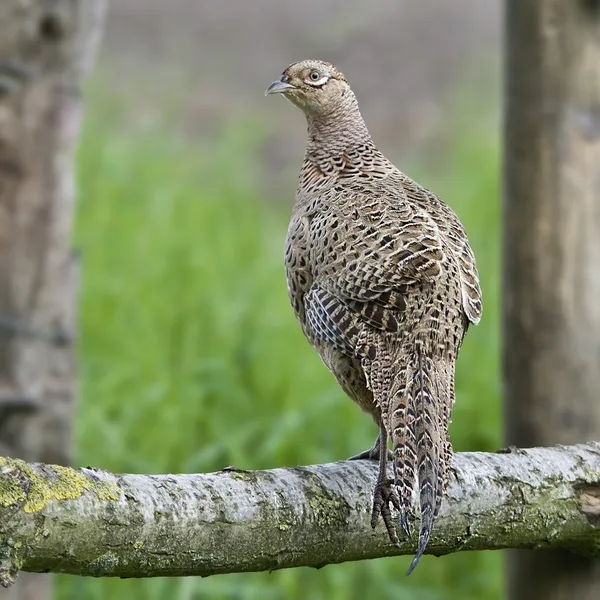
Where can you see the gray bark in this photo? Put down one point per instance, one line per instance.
(46, 48)
(552, 253)
(91, 522)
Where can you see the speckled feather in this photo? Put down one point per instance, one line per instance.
(383, 281)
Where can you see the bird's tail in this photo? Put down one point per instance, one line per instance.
(401, 425)
(418, 425)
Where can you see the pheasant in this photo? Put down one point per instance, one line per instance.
(384, 284)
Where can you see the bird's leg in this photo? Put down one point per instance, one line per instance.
(373, 453)
(385, 493)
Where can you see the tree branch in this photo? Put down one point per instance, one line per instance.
(91, 522)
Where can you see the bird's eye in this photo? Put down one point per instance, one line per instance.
(316, 79)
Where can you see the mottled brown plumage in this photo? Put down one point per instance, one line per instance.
(383, 281)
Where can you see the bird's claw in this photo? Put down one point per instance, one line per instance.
(366, 455)
(385, 494)
(372, 453)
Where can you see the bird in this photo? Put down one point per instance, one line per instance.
(383, 281)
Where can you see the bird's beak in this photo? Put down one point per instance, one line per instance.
(279, 86)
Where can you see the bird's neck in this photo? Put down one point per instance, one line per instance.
(341, 130)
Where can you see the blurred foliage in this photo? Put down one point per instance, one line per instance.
(190, 357)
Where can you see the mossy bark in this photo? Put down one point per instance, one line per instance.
(91, 522)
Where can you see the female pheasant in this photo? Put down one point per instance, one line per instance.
(383, 281)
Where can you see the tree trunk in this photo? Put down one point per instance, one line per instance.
(552, 253)
(46, 47)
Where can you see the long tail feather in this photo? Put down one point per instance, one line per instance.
(429, 447)
(404, 444)
(416, 414)
(445, 394)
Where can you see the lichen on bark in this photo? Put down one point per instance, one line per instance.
(20, 484)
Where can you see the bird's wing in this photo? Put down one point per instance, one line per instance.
(453, 232)
(364, 265)
(469, 277)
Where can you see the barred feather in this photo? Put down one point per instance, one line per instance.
(404, 446)
(428, 447)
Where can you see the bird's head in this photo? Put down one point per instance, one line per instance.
(315, 86)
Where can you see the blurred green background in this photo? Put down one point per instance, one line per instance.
(190, 358)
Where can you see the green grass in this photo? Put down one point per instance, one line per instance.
(191, 359)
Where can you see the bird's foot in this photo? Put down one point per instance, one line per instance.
(372, 453)
(385, 494)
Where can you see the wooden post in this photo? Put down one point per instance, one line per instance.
(551, 319)
(46, 48)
